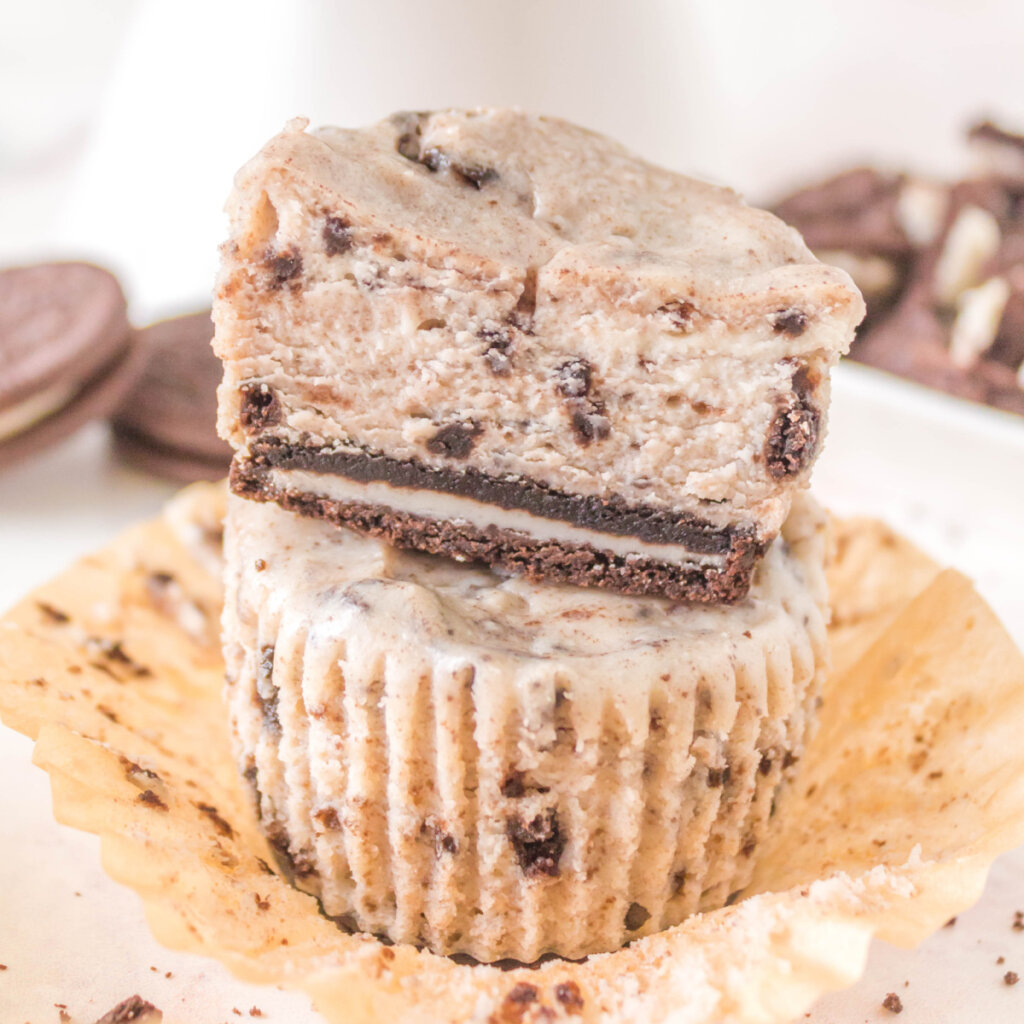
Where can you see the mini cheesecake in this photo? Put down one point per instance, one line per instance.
(478, 764)
(505, 339)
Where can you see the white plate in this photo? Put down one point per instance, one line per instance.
(947, 474)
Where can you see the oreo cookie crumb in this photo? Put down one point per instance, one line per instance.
(718, 776)
(513, 785)
(259, 407)
(636, 917)
(454, 440)
(574, 378)
(499, 341)
(444, 842)
(679, 313)
(134, 1008)
(791, 322)
(266, 689)
(150, 799)
(475, 174)
(216, 819)
(538, 844)
(892, 1003)
(590, 426)
(568, 994)
(283, 267)
(337, 235)
(1011, 978)
(793, 436)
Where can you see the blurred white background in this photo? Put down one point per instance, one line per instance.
(122, 123)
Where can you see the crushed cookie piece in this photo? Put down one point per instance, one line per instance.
(636, 917)
(454, 440)
(574, 378)
(150, 799)
(791, 322)
(218, 821)
(337, 235)
(568, 994)
(1011, 978)
(679, 313)
(283, 266)
(892, 1003)
(538, 844)
(590, 426)
(133, 1009)
(259, 407)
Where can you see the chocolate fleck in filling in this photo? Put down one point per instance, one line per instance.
(537, 843)
(589, 425)
(636, 917)
(680, 314)
(266, 690)
(791, 322)
(283, 266)
(542, 561)
(606, 515)
(569, 995)
(259, 407)
(499, 341)
(793, 436)
(454, 440)
(574, 378)
(337, 236)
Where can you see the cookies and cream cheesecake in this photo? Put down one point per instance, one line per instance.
(476, 763)
(505, 339)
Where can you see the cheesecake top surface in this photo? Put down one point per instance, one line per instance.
(512, 190)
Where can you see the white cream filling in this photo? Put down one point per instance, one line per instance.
(455, 508)
(18, 418)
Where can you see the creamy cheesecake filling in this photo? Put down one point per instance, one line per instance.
(454, 508)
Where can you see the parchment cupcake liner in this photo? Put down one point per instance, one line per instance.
(115, 670)
(478, 765)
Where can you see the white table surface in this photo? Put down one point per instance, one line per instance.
(946, 474)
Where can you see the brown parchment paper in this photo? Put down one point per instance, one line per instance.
(914, 783)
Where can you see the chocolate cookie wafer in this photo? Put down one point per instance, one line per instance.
(506, 339)
(483, 765)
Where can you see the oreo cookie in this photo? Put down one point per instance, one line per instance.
(68, 351)
(166, 425)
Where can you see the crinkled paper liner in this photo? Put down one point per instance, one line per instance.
(914, 783)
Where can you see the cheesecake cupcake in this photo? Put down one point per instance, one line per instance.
(458, 758)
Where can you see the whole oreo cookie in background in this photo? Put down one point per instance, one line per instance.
(68, 353)
(166, 425)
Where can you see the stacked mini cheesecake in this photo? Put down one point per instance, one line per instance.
(525, 607)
